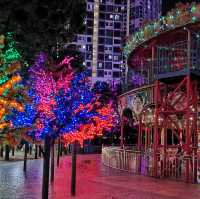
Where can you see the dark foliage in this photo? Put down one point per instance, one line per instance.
(41, 24)
(167, 5)
(103, 90)
(71, 51)
(127, 112)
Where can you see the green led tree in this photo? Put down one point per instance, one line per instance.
(11, 94)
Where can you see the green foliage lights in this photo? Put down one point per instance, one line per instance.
(11, 54)
(185, 14)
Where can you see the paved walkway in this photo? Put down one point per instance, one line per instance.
(19, 155)
(94, 181)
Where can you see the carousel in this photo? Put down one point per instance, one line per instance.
(165, 54)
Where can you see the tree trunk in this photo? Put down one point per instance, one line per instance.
(25, 157)
(13, 151)
(52, 161)
(65, 150)
(73, 177)
(7, 151)
(36, 151)
(1, 152)
(61, 149)
(58, 154)
(30, 149)
(40, 151)
(45, 179)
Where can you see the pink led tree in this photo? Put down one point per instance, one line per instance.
(65, 106)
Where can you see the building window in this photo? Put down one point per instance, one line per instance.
(89, 47)
(89, 31)
(90, 7)
(117, 41)
(116, 58)
(108, 65)
(117, 33)
(101, 56)
(109, 24)
(111, 16)
(109, 8)
(89, 39)
(88, 64)
(116, 50)
(88, 56)
(109, 41)
(108, 57)
(101, 40)
(90, 23)
(102, 24)
(100, 65)
(109, 33)
(116, 74)
(102, 16)
(116, 17)
(116, 66)
(108, 49)
(100, 73)
(90, 72)
(117, 25)
(101, 32)
(118, 1)
(101, 48)
(103, 1)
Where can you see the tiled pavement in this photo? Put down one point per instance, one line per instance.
(93, 182)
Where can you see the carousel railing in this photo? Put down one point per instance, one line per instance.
(178, 57)
(170, 166)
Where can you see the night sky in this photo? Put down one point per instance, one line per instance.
(169, 4)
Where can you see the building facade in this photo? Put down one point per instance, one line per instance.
(108, 24)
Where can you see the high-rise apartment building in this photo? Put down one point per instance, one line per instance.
(108, 23)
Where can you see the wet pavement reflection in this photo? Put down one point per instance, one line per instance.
(94, 181)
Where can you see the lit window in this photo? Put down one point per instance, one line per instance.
(100, 64)
(116, 17)
(111, 16)
(110, 56)
(115, 58)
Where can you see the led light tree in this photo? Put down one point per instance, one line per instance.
(45, 85)
(80, 115)
(11, 90)
(64, 105)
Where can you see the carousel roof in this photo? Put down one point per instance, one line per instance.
(167, 30)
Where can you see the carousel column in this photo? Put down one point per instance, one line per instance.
(139, 162)
(139, 135)
(188, 87)
(122, 132)
(146, 138)
(188, 138)
(165, 151)
(155, 140)
(195, 133)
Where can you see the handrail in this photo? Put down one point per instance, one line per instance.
(142, 163)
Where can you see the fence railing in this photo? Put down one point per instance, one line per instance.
(168, 166)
